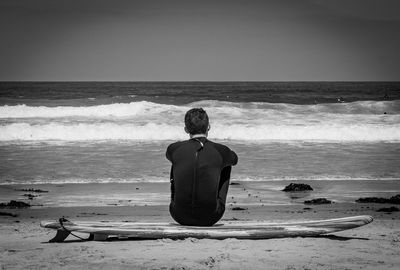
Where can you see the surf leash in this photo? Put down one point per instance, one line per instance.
(62, 220)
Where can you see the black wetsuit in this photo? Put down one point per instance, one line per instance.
(200, 176)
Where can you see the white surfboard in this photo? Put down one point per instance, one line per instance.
(236, 229)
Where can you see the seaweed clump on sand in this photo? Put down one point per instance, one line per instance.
(297, 187)
(238, 208)
(388, 209)
(393, 200)
(32, 190)
(8, 214)
(318, 201)
(30, 196)
(14, 204)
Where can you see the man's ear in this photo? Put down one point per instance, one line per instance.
(209, 127)
(186, 130)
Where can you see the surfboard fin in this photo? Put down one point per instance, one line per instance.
(60, 236)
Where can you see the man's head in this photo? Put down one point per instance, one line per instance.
(196, 121)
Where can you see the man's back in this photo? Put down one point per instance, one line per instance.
(200, 178)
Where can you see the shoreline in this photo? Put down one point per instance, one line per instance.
(245, 193)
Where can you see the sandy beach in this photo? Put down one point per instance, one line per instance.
(110, 109)
(24, 244)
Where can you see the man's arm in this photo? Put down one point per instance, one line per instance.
(168, 153)
(228, 156)
(171, 149)
(233, 159)
(224, 183)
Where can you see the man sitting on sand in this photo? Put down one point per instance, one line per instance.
(200, 174)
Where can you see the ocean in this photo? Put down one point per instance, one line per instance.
(62, 133)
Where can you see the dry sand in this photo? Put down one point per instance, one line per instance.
(23, 244)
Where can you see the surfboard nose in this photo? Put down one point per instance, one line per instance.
(44, 223)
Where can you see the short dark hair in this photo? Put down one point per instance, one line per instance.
(196, 121)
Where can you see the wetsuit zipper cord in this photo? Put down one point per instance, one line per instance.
(194, 174)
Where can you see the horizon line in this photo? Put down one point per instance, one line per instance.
(179, 81)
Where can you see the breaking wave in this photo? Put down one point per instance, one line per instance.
(147, 121)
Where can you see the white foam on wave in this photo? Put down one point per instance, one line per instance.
(160, 132)
(141, 108)
(358, 107)
(82, 132)
(147, 121)
(166, 180)
(50, 181)
(109, 110)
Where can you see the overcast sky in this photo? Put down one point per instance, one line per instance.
(278, 40)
